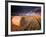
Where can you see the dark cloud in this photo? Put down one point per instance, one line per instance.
(25, 10)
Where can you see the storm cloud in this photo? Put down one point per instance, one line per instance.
(25, 10)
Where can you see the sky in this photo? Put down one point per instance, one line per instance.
(25, 10)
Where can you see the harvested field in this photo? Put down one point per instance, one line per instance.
(25, 23)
